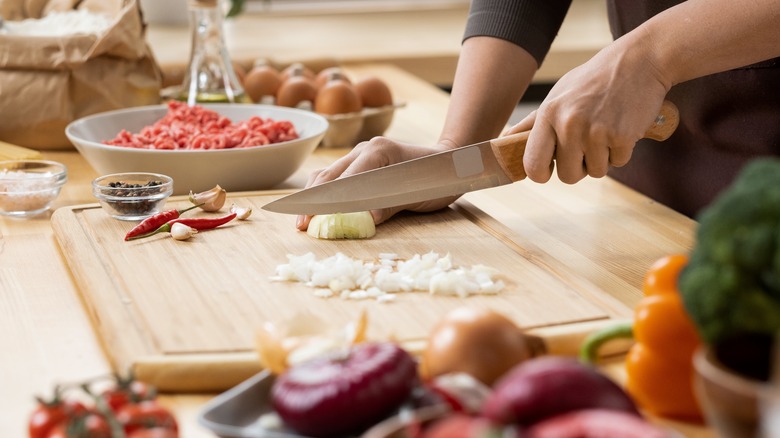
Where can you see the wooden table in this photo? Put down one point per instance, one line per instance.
(604, 230)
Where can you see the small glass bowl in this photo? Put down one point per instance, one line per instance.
(29, 187)
(132, 196)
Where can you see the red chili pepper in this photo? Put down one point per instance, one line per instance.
(155, 221)
(199, 223)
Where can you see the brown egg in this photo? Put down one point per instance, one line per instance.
(261, 81)
(373, 92)
(296, 90)
(240, 72)
(297, 69)
(330, 73)
(480, 342)
(337, 96)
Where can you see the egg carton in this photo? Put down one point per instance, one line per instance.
(344, 130)
(347, 130)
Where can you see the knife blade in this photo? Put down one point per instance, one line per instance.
(454, 172)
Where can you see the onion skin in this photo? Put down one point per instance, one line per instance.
(551, 385)
(342, 394)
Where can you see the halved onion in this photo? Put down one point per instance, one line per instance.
(359, 225)
(304, 336)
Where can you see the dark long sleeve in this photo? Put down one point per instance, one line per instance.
(531, 25)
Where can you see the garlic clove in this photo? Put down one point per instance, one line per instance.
(180, 231)
(242, 213)
(210, 200)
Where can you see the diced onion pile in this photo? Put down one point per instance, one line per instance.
(382, 279)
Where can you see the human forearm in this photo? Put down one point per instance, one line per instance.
(491, 77)
(701, 37)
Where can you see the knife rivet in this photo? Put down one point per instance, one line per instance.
(660, 120)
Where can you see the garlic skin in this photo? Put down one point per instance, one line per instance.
(210, 200)
(242, 213)
(180, 231)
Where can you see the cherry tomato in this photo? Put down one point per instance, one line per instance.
(127, 391)
(85, 425)
(155, 432)
(146, 415)
(48, 415)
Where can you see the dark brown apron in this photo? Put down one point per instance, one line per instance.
(726, 119)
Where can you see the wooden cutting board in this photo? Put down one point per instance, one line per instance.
(183, 314)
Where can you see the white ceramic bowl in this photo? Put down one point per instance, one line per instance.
(240, 169)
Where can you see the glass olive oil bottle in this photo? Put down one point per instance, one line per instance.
(210, 77)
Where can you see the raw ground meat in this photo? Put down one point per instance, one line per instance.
(187, 127)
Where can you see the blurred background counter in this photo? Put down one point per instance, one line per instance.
(424, 41)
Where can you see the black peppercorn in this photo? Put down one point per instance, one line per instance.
(134, 206)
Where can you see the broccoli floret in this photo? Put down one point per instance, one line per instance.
(731, 286)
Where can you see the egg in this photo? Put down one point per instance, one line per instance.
(373, 92)
(330, 73)
(296, 90)
(337, 96)
(240, 72)
(297, 69)
(480, 342)
(262, 81)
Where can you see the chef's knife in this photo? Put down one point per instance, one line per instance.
(450, 173)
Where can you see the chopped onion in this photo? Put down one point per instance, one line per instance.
(358, 225)
(348, 278)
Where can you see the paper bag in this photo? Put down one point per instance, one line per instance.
(47, 82)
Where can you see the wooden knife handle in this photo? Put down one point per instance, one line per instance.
(509, 149)
(665, 123)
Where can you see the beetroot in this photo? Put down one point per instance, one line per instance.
(551, 385)
(344, 393)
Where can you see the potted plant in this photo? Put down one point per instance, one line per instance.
(731, 290)
(236, 8)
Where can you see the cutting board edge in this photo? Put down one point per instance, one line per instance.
(196, 373)
(65, 223)
(215, 372)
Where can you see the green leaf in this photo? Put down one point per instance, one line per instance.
(236, 8)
